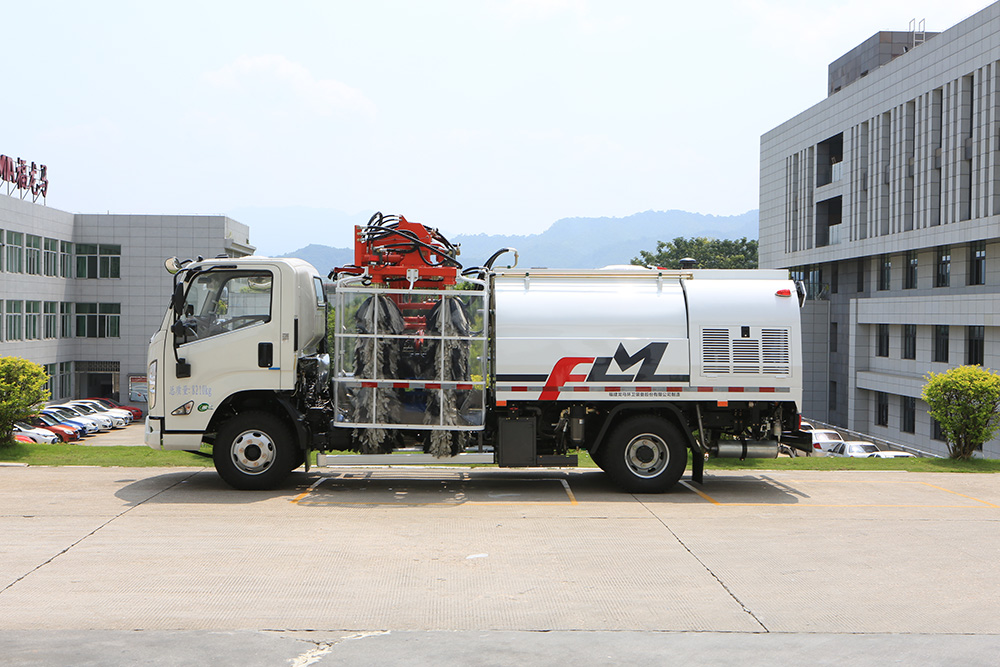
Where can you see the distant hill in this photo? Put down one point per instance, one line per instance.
(578, 243)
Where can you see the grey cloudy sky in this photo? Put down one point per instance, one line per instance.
(473, 116)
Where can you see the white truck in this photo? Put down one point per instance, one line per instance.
(430, 363)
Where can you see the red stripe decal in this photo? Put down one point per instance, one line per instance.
(400, 385)
(369, 385)
(580, 388)
(766, 390)
(706, 389)
(612, 389)
(737, 390)
(432, 385)
(464, 386)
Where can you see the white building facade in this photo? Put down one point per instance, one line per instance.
(82, 294)
(885, 199)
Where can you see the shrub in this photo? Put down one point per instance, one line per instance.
(22, 391)
(964, 401)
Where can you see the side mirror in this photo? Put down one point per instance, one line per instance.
(177, 300)
(172, 265)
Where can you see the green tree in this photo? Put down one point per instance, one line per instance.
(22, 391)
(964, 401)
(710, 253)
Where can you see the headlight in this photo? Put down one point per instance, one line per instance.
(151, 382)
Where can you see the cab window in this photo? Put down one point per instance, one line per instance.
(218, 302)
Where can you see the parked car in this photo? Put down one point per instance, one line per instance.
(891, 454)
(20, 437)
(858, 449)
(823, 439)
(65, 432)
(68, 416)
(107, 402)
(90, 407)
(38, 435)
(104, 422)
(805, 426)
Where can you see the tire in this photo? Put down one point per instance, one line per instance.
(645, 454)
(253, 451)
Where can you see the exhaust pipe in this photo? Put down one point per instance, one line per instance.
(750, 449)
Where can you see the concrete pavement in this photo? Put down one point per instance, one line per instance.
(539, 561)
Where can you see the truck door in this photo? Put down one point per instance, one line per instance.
(227, 340)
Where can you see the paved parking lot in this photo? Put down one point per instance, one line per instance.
(341, 553)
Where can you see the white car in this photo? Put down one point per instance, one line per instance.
(891, 454)
(823, 439)
(858, 449)
(121, 418)
(39, 435)
(104, 422)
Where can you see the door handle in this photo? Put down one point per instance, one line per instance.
(265, 355)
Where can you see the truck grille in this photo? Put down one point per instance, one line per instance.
(723, 353)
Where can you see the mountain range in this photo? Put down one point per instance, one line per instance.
(579, 243)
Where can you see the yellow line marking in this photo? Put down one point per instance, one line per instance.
(569, 492)
(959, 494)
(703, 495)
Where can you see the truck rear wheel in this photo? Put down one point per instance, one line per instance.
(253, 451)
(645, 454)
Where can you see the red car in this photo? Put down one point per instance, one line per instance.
(108, 403)
(66, 433)
(22, 438)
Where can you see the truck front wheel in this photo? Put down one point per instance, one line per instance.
(645, 454)
(253, 451)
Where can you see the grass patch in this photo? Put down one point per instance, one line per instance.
(78, 455)
(143, 457)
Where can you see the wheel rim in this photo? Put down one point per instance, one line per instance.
(647, 455)
(253, 452)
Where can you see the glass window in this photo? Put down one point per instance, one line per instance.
(941, 332)
(66, 312)
(222, 301)
(98, 320)
(14, 316)
(109, 261)
(32, 320)
(937, 433)
(86, 260)
(909, 341)
(65, 259)
(907, 418)
(882, 340)
(50, 384)
(51, 319)
(910, 270)
(3, 252)
(33, 254)
(977, 263)
(881, 408)
(65, 379)
(833, 396)
(833, 336)
(942, 275)
(885, 272)
(15, 252)
(975, 353)
(50, 257)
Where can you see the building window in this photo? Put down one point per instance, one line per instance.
(15, 252)
(98, 260)
(65, 379)
(833, 336)
(941, 332)
(907, 418)
(942, 275)
(3, 252)
(833, 396)
(910, 270)
(882, 340)
(881, 408)
(2, 338)
(937, 433)
(65, 259)
(975, 352)
(51, 320)
(909, 341)
(98, 320)
(33, 254)
(50, 256)
(884, 272)
(862, 266)
(32, 320)
(66, 320)
(14, 317)
(50, 384)
(977, 263)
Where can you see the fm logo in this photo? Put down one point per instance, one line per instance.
(562, 371)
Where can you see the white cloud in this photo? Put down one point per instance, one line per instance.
(275, 77)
